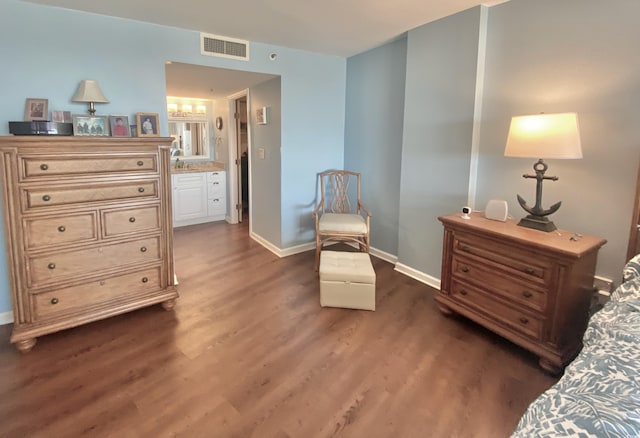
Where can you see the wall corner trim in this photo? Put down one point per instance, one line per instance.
(418, 275)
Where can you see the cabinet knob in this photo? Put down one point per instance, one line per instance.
(463, 292)
(51, 266)
(44, 167)
(465, 269)
(465, 248)
(526, 294)
(132, 219)
(54, 301)
(62, 229)
(145, 279)
(216, 200)
(143, 249)
(216, 183)
(141, 189)
(529, 270)
(524, 320)
(46, 198)
(140, 163)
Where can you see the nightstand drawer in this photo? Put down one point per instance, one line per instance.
(130, 220)
(527, 293)
(523, 263)
(81, 298)
(505, 315)
(39, 166)
(59, 230)
(61, 265)
(39, 197)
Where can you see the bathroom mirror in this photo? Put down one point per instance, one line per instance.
(191, 139)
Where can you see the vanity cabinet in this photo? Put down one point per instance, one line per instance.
(88, 229)
(531, 287)
(199, 197)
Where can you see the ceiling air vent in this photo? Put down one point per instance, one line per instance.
(225, 47)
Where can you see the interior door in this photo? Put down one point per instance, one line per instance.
(634, 236)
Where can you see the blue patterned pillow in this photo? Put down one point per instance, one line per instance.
(631, 269)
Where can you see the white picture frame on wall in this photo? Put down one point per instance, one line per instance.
(261, 116)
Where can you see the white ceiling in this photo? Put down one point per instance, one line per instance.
(334, 27)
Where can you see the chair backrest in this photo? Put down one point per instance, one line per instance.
(335, 187)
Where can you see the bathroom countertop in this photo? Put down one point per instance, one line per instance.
(197, 166)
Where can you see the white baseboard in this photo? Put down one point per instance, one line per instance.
(387, 257)
(283, 252)
(418, 275)
(6, 318)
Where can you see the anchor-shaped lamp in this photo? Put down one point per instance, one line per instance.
(548, 136)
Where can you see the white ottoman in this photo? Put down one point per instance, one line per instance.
(347, 279)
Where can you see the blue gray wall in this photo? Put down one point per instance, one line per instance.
(266, 173)
(438, 126)
(373, 134)
(47, 51)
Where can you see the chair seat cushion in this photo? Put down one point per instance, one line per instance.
(342, 223)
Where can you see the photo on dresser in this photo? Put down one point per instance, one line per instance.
(148, 124)
(36, 109)
(91, 125)
(119, 126)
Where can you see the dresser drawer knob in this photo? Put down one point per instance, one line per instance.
(465, 248)
(463, 292)
(529, 270)
(145, 279)
(51, 266)
(140, 163)
(102, 282)
(465, 269)
(132, 219)
(46, 198)
(44, 167)
(54, 301)
(62, 229)
(526, 294)
(141, 189)
(143, 249)
(524, 320)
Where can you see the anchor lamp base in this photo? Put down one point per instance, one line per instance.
(537, 223)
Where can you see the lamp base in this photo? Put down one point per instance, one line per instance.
(540, 223)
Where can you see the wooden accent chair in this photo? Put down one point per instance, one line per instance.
(336, 220)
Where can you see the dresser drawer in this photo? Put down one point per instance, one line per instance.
(58, 230)
(522, 263)
(63, 265)
(85, 297)
(38, 197)
(38, 166)
(521, 322)
(523, 292)
(130, 220)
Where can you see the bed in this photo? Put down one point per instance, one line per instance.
(599, 393)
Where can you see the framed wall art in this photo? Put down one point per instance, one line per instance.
(91, 125)
(36, 109)
(147, 124)
(261, 116)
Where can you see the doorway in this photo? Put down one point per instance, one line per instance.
(242, 150)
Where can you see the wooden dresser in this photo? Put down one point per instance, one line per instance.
(531, 287)
(88, 229)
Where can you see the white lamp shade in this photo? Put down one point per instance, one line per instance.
(89, 91)
(544, 136)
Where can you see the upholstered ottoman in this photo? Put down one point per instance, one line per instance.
(347, 279)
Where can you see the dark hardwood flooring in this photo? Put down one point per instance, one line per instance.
(249, 352)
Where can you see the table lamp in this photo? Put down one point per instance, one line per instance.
(89, 91)
(543, 136)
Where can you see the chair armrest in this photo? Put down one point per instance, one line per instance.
(363, 208)
(316, 210)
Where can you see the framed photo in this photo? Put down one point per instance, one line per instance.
(91, 125)
(61, 116)
(36, 109)
(147, 124)
(261, 116)
(119, 126)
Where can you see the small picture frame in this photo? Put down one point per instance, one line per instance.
(261, 116)
(119, 126)
(96, 126)
(61, 116)
(147, 124)
(36, 109)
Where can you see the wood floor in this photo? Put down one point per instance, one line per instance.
(249, 352)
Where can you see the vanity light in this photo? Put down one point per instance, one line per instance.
(201, 109)
(186, 108)
(172, 108)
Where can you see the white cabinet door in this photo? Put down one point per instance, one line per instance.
(189, 196)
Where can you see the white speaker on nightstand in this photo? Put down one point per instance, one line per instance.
(497, 210)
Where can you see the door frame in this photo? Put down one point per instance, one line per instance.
(234, 176)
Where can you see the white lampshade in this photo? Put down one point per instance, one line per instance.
(544, 136)
(89, 91)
